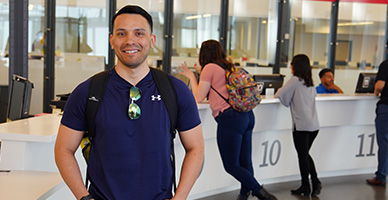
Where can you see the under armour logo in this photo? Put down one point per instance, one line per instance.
(93, 98)
(158, 97)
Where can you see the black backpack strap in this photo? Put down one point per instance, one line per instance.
(95, 94)
(223, 67)
(167, 90)
(219, 94)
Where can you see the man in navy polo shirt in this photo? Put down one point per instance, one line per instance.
(327, 82)
(130, 154)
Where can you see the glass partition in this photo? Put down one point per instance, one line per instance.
(81, 42)
(82, 37)
(252, 33)
(360, 35)
(360, 41)
(309, 30)
(195, 21)
(4, 33)
(309, 33)
(36, 25)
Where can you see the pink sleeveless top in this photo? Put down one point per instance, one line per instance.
(215, 75)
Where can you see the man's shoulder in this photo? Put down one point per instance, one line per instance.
(383, 66)
(320, 85)
(81, 88)
(382, 73)
(321, 89)
(385, 62)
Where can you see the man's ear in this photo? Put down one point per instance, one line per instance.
(153, 40)
(110, 40)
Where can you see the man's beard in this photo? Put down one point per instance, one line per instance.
(132, 63)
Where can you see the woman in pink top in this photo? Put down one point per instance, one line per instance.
(234, 130)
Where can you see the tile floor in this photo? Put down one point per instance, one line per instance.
(334, 188)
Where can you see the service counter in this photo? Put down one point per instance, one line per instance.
(27, 165)
(346, 144)
(28, 144)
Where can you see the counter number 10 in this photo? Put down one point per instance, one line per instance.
(273, 158)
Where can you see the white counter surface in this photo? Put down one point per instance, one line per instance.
(35, 129)
(28, 144)
(29, 185)
(320, 97)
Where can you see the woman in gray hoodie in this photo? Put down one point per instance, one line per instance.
(299, 94)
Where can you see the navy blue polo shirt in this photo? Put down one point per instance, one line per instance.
(130, 159)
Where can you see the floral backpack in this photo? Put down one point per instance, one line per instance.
(244, 94)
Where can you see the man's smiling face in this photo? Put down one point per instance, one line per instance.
(132, 40)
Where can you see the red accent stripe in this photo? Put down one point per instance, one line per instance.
(358, 1)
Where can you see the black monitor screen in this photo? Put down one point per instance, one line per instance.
(3, 103)
(366, 83)
(265, 81)
(19, 99)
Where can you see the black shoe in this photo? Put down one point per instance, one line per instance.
(302, 190)
(264, 195)
(316, 189)
(242, 197)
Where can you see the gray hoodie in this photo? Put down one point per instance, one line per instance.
(301, 100)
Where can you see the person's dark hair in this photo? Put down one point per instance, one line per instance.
(132, 9)
(211, 52)
(324, 71)
(302, 69)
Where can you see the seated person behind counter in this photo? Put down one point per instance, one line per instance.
(327, 82)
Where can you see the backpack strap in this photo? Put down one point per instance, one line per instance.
(165, 87)
(96, 93)
(219, 94)
(223, 67)
(167, 90)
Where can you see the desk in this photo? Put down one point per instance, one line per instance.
(28, 144)
(29, 185)
(27, 149)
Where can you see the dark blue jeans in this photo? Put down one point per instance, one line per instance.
(234, 139)
(381, 123)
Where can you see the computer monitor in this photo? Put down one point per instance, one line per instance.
(366, 82)
(265, 81)
(3, 103)
(19, 98)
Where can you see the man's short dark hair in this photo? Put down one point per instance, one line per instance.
(133, 9)
(324, 71)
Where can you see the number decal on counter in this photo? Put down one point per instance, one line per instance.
(372, 143)
(273, 159)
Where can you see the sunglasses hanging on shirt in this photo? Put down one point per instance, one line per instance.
(133, 109)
